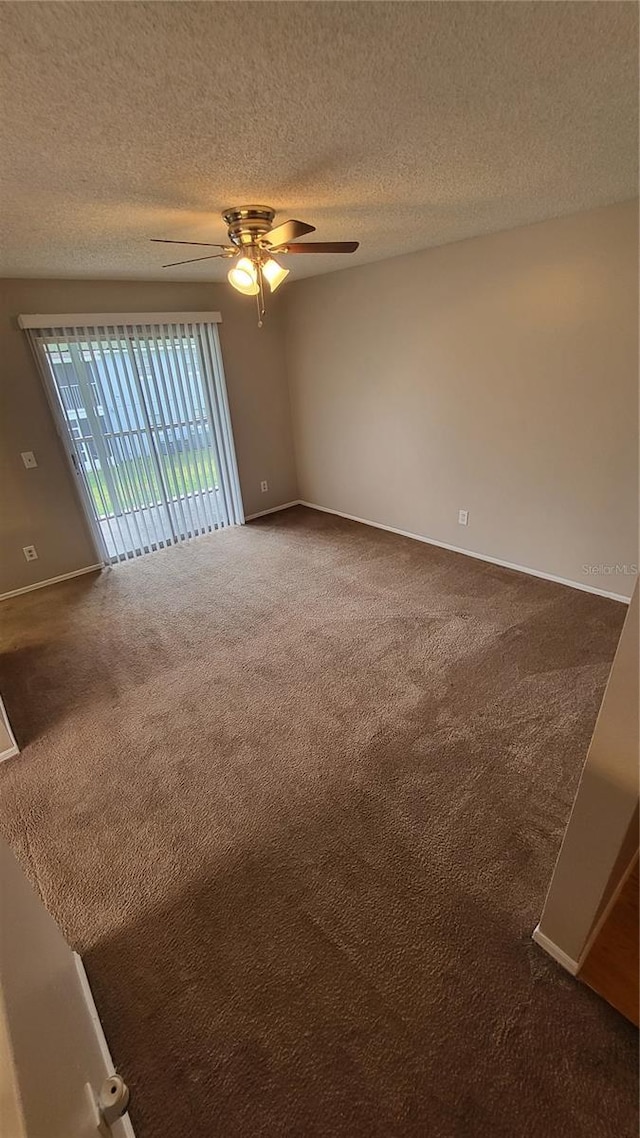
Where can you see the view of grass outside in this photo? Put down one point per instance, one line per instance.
(137, 482)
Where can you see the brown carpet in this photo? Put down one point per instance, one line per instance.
(295, 792)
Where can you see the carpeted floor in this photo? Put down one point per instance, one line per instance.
(295, 791)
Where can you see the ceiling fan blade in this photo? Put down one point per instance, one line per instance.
(320, 247)
(286, 232)
(211, 257)
(170, 241)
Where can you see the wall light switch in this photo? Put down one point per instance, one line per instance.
(29, 458)
(463, 517)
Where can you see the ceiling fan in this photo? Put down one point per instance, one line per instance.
(253, 240)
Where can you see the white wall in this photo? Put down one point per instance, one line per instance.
(11, 1115)
(497, 375)
(605, 807)
(8, 745)
(47, 1036)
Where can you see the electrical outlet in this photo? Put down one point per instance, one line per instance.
(463, 517)
(264, 486)
(30, 553)
(29, 458)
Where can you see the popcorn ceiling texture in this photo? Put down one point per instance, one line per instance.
(400, 125)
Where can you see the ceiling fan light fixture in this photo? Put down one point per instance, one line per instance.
(252, 234)
(274, 273)
(244, 277)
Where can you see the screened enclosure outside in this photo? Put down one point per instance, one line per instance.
(146, 412)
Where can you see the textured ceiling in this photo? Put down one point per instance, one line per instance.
(401, 125)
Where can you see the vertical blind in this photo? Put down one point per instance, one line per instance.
(143, 405)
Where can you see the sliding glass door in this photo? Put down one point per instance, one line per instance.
(146, 419)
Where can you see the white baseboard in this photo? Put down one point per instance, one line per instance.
(274, 510)
(376, 525)
(122, 1127)
(51, 581)
(552, 950)
(469, 553)
(9, 753)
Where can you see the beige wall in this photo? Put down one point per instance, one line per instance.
(604, 816)
(497, 375)
(39, 507)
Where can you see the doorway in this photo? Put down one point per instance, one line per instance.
(142, 410)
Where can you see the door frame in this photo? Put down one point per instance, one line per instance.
(73, 459)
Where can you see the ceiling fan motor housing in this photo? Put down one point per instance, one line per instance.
(247, 224)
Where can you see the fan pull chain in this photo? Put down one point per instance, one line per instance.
(260, 296)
